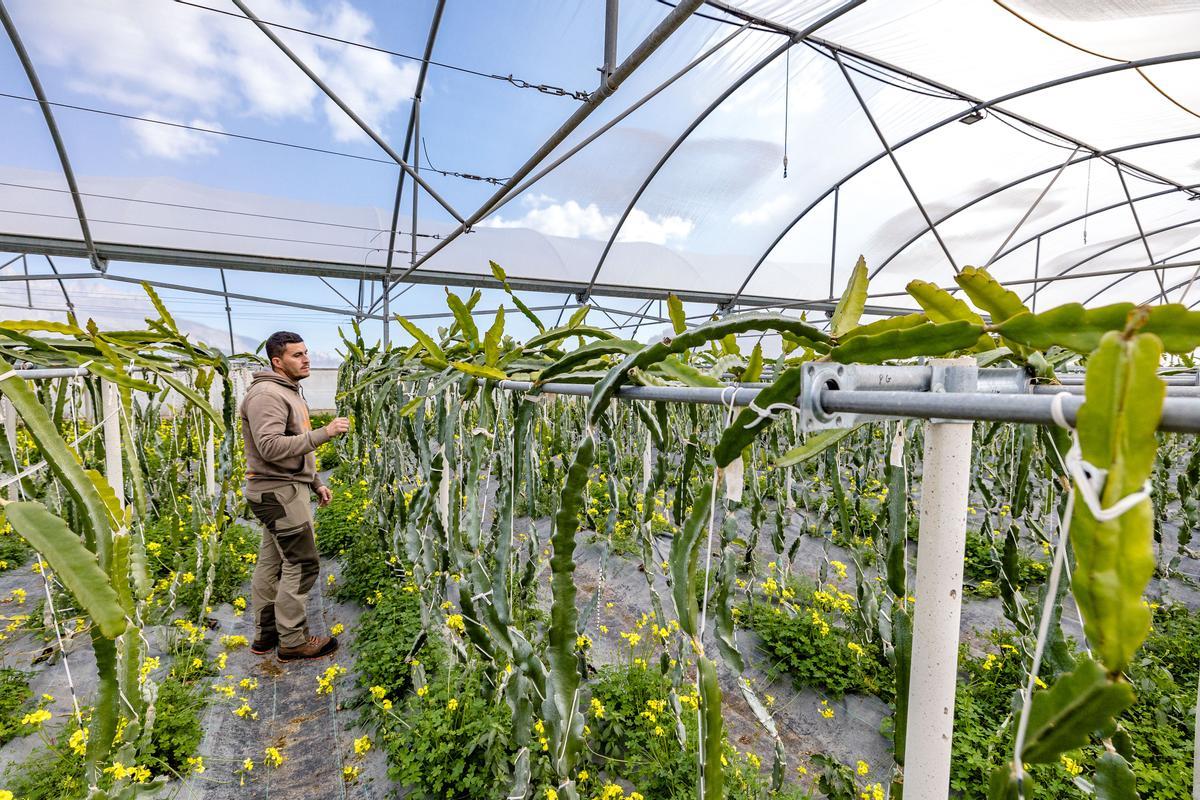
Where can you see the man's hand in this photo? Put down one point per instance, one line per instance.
(324, 496)
(337, 426)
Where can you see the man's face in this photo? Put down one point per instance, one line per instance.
(294, 361)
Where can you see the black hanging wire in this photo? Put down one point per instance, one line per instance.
(787, 93)
(465, 175)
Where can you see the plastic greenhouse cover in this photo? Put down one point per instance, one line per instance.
(189, 130)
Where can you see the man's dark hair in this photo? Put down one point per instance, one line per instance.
(277, 342)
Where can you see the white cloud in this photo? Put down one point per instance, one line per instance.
(158, 58)
(172, 143)
(572, 220)
(765, 212)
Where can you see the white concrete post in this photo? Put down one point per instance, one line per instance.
(945, 481)
(113, 467)
(10, 433)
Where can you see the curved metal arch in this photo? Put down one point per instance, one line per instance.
(793, 39)
(1117, 246)
(1034, 175)
(1163, 291)
(977, 105)
(1091, 213)
(1181, 283)
(68, 173)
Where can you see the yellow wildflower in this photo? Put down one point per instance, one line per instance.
(272, 757)
(36, 718)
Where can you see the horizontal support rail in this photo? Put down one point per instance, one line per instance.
(1180, 414)
(1002, 395)
(49, 372)
(730, 395)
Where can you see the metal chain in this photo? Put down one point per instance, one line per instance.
(544, 88)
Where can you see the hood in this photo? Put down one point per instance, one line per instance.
(271, 376)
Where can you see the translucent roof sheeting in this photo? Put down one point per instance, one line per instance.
(744, 161)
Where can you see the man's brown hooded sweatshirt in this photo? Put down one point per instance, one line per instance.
(278, 434)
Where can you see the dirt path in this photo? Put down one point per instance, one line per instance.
(314, 732)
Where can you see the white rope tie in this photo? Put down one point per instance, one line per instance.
(768, 413)
(1056, 411)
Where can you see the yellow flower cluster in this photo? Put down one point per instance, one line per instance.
(455, 623)
(873, 792)
(78, 741)
(272, 757)
(244, 710)
(148, 666)
(120, 772)
(325, 682)
(233, 642)
(362, 745)
(36, 718)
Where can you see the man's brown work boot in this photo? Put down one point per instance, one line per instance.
(263, 646)
(315, 647)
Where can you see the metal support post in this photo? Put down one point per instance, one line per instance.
(945, 482)
(113, 469)
(10, 435)
(611, 17)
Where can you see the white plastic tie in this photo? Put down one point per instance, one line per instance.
(768, 413)
(11, 373)
(1056, 411)
(1088, 477)
(729, 404)
(1090, 480)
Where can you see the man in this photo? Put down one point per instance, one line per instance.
(280, 471)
